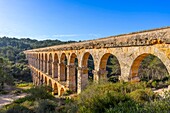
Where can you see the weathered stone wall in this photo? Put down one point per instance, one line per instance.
(129, 49)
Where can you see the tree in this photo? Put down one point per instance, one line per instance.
(5, 76)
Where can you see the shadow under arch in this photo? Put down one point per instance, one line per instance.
(148, 62)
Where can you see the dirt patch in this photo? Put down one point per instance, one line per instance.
(9, 98)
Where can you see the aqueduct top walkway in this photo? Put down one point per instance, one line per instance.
(55, 65)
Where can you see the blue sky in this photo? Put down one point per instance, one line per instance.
(80, 19)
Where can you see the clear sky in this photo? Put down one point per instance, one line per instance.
(80, 19)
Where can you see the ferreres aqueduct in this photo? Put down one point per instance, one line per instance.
(55, 66)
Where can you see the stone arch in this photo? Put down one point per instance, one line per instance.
(72, 72)
(55, 69)
(42, 61)
(45, 80)
(38, 77)
(86, 72)
(50, 83)
(55, 89)
(42, 79)
(134, 70)
(103, 69)
(50, 64)
(39, 61)
(39, 73)
(45, 63)
(61, 91)
(63, 69)
(36, 60)
(85, 64)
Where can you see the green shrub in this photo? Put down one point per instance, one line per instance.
(39, 93)
(142, 95)
(68, 92)
(24, 85)
(98, 98)
(99, 102)
(21, 100)
(19, 109)
(46, 106)
(154, 84)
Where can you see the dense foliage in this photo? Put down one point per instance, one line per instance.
(13, 62)
(96, 98)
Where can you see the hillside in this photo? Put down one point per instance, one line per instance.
(11, 47)
(13, 66)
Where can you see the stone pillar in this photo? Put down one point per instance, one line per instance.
(61, 72)
(35, 63)
(71, 77)
(54, 69)
(100, 75)
(39, 64)
(42, 62)
(82, 78)
(33, 80)
(46, 65)
(125, 73)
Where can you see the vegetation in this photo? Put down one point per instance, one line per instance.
(105, 97)
(13, 64)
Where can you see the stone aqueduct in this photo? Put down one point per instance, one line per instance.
(48, 66)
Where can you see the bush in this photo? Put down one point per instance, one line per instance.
(39, 93)
(46, 106)
(142, 95)
(21, 100)
(103, 96)
(19, 109)
(24, 85)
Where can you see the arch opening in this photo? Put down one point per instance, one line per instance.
(42, 79)
(110, 68)
(50, 64)
(87, 69)
(39, 62)
(45, 80)
(63, 68)
(72, 81)
(50, 86)
(55, 89)
(55, 66)
(149, 68)
(42, 62)
(45, 63)
(61, 91)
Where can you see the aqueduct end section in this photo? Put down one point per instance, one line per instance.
(55, 66)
